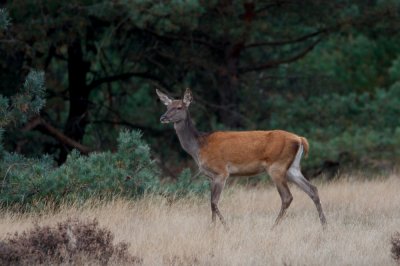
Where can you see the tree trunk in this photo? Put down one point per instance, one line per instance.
(228, 76)
(228, 88)
(78, 96)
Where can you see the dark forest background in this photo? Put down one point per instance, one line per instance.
(74, 73)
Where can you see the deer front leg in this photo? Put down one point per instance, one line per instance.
(217, 183)
(216, 189)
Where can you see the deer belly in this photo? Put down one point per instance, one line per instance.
(245, 169)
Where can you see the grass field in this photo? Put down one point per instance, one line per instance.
(362, 216)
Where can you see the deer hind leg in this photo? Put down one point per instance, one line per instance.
(279, 178)
(294, 175)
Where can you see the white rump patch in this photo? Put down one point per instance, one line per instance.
(294, 169)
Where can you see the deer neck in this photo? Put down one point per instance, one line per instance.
(188, 136)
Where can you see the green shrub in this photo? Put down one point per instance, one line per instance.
(128, 172)
(185, 184)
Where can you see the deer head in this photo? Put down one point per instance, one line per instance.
(177, 110)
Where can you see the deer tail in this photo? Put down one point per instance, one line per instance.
(306, 146)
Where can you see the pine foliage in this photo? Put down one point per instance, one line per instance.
(187, 185)
(4, 19)
(26, 103)
(128, 172)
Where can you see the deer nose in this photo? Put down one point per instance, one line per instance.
(163, 119)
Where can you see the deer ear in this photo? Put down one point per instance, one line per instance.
(187, 98)
(163, 97)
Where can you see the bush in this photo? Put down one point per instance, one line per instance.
(129, 172)
(396, 247)
(69, 242)
(185, 185)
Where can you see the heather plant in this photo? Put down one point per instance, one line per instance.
(396, 247)
(70, 242)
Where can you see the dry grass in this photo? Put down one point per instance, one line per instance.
(362, 217)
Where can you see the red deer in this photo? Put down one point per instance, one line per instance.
(241, 153)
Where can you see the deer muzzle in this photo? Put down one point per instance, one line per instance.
(164, 119)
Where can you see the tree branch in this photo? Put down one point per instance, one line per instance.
(284, 42)
(275, 63)
(57, 134)
(271, 5)
(181, 38)
(366, 18)
(125, 76)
